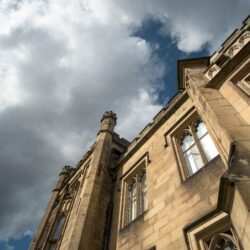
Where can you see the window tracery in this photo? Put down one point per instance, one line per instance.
(225, 240)
(216, 233)
(134, 189)
(136, 196)
(193, 146)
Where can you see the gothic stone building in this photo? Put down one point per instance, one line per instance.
(182, 184)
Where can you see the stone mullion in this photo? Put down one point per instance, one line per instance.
(198, 144)
(179, 155)
(140, 193)
(127, 201)
(137, 195)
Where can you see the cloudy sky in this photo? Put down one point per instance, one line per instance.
(63, 63)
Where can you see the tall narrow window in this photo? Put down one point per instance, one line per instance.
(136, 197)
(205, 141)
(132, 201)
(143, 191)
(56, 233)
(59, 227)
(197, 146)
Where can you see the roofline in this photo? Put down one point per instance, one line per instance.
(190, 63)
(168, 111)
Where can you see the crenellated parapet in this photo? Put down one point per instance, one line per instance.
(108, 122)
(230, 48)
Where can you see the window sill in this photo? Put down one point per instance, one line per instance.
(133, 223)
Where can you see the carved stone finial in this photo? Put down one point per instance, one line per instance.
(65, 170)
(108, 121)
(109, 114)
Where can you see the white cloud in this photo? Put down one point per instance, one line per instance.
(62, 64)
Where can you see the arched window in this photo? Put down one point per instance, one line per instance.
(197, 146)
(223, 241)
(136, 198)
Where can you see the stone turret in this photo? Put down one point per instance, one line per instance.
(89, 230)
(108, 121)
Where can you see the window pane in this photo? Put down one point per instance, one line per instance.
(193, 159)
(59, 228)
(52, 246)
(132, 209)
(187, 141)
(209, 147)
(143, 192)
(201, 130)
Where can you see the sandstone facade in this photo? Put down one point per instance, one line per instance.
(154, 193)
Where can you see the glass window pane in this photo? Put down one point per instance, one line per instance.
(193, 159)
(201, 130)
(59, 228)
(209, 147)
(144, 201)
(187, 141)
(52, 246)
(143, 192)
(133, 209)
(133, 202)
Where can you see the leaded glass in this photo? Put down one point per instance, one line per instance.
(191, 153)
(59, 228)
(143, 191)
(133, 201)
(209, 148)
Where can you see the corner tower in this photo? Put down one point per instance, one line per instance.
(88, 232)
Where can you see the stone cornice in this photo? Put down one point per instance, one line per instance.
(230, 66)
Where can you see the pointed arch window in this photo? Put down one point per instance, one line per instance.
(196, 146)
(136, 199)
(223, 241)
(215, 233)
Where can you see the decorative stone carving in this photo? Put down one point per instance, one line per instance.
(187, 81)
(213, 71)
(110, 114)
(245, 38)
(234, 49)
